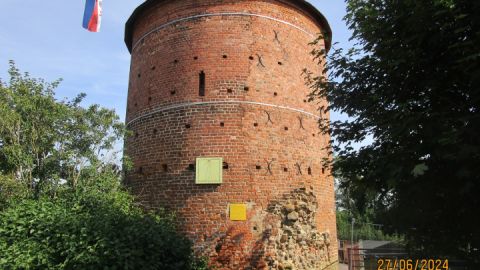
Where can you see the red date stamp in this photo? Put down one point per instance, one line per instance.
(412, 264)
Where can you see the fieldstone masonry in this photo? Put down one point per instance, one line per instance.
(216, 78)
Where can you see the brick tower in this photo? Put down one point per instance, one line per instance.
(223, 133)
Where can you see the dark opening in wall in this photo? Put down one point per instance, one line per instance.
(286, 128)
(153, 68)
(224, 56)
(229, 90)
(255, 124)
(258, 167)
(155, 131)
(191, 167)
(188, 126)
(323, 170)
(195, 58)
(149, 99)
(246, 88)
(285, 169)
(165, 167)
(175, 61)
(140, 170)
(139, 75)
(173, 92)
(309, 171)
(251, 58)
(225, 165)
(136, 134)
(305, 101)
(275, 93)
(313, 134)
(201, 87)
(280, 63)
(222, 124)
(135, 104)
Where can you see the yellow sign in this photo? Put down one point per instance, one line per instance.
(209, 171)
(238, 211)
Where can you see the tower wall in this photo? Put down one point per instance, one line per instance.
(255, 114)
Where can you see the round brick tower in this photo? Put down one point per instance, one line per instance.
(223, 133)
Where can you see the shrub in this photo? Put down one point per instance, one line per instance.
(95, 226)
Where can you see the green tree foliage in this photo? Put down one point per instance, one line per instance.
(94, 226)
(363, 229)
(43, 140)
(412, 85)
(61, 203)
(358, 203)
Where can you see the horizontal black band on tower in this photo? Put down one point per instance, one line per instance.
(190, 104)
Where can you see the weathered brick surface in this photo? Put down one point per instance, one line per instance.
(255, 115)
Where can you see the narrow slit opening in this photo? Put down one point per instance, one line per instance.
(201, 90)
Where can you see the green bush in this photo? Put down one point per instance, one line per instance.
(95, 226)
(363, 229)
(61, 202)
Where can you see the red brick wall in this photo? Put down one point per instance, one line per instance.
(253, 67)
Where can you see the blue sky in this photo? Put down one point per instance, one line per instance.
(46, 39)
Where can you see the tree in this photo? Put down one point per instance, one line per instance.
(358, 202)
(43, 140)
(411, 84)
(93, 226)
(62, 205)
